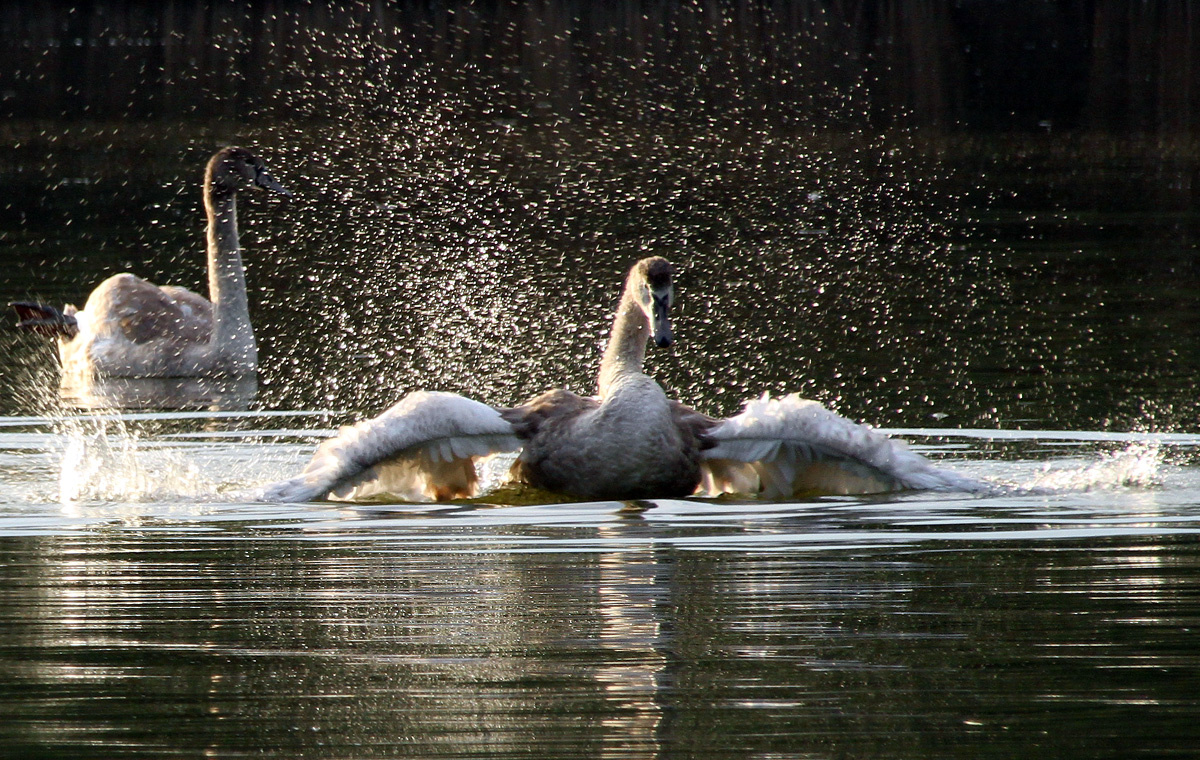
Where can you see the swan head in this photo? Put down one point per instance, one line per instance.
(651, 282)
(233, 168)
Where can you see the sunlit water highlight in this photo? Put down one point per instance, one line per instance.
(193, 471)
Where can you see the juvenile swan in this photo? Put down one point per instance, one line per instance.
(629, 442)
(132, 328)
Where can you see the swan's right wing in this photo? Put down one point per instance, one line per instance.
(423, 448)
(786, 446)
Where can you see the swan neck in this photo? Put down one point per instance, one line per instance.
(626, 350)
(232, 332)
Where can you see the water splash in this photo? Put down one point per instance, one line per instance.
(105, 459)
(1137, 465)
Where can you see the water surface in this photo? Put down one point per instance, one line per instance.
(150, 610)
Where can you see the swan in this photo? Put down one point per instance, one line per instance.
(132, 328)
(629, 442)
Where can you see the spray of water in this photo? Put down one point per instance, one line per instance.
(1138, 465)
(105, 459)
(465, 210)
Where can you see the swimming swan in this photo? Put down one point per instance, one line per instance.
(629, 442)
(132, 328)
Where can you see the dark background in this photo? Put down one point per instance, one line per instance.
(1108, 65)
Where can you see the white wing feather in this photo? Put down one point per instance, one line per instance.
(421, 448)
(781, 447)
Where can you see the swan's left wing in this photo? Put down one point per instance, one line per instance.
(788, 446)
(423, 448)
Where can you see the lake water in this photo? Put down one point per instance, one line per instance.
(1021, 306)
(150, 612)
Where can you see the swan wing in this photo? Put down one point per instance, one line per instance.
(423, 448)
(137, 310)
(787, 446)
(196, 319)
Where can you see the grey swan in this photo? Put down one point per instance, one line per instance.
(629, 442)
(132, 328)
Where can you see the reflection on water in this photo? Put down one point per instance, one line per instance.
(136, 647)
(162, 617)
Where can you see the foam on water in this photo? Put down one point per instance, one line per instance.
(121, 458)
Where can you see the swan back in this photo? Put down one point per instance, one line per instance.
(634, 444)
(128, 308)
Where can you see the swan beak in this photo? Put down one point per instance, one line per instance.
(267, 182)
(660, 322)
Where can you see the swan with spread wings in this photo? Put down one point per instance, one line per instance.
(630, 441)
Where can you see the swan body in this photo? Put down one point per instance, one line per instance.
(628, 445)
(130, 327)
(629, 442)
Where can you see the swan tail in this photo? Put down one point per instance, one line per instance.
(423, 448)
(789, 446)
(45, 320)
